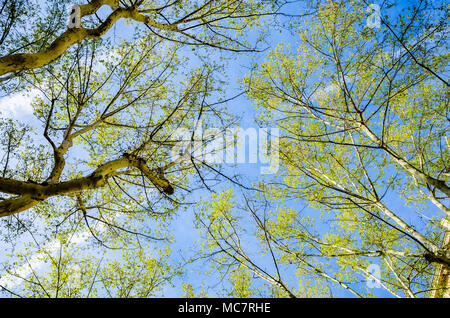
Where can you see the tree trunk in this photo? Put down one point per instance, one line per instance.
(441, 280)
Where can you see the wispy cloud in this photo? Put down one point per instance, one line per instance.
(37, 260)
(18, 105)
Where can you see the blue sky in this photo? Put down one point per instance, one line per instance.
(186, 237)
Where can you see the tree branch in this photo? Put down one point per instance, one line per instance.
(32, 193)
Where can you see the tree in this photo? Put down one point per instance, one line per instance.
(100, 171)
(89, 192)
(365, 116)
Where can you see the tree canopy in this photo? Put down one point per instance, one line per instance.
(99, 193)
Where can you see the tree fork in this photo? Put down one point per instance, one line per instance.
(32, 193)
(27, 61)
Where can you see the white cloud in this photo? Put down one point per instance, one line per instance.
(18, 105)
(37, 260)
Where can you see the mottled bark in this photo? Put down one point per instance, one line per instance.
(26, 61)
(32, 193)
